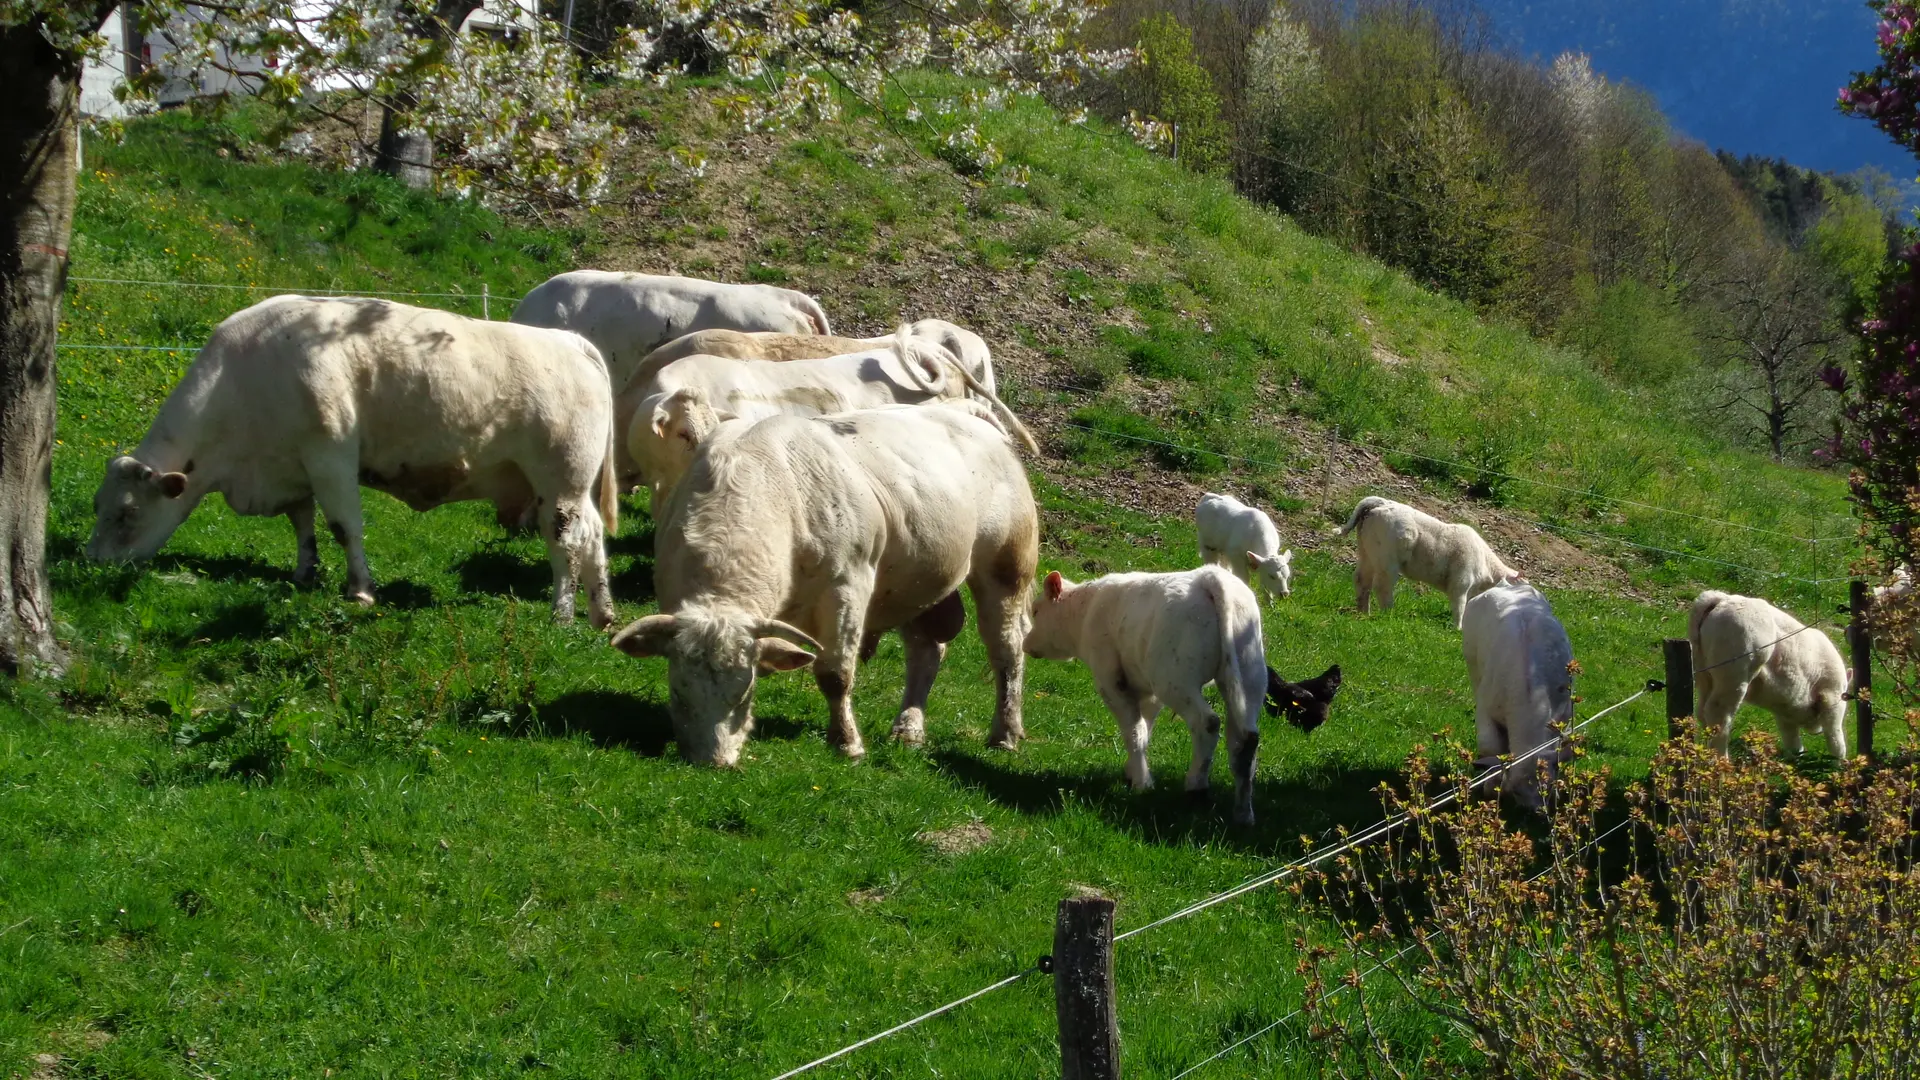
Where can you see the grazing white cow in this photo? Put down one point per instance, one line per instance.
(1397, 539)
(966, 346)
(1892, 604)
(628, 316)
(1520, 665)
(1159, 639)
(1746, 651)
(666, 416)
(298, 399)
(1242, 539)
(794, 533)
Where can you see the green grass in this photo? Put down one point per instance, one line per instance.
(256, 830)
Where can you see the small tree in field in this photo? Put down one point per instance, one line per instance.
(509, 121)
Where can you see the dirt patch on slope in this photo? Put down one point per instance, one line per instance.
(746, 204)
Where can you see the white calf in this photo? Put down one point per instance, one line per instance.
(1519, 662)
(1159, 639)
(1242, 539)
(1396, 539)
(1745, 650)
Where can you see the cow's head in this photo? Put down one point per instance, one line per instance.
(680, 422)
(1275, 572)
(1051, 633)
(712, 660)
(1304, 704)
(136, 509)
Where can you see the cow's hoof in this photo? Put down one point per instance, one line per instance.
(911, 728)
(1245, 819)
(1199, 796)
(363, 597)
(306, 579)
(1004, 742)
(601, 620)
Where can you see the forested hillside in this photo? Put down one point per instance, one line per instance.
(1545, 196)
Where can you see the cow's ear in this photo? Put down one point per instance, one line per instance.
(173, 484)
(1055, 585)
(660, 419)
(1285, 558)
(778, 654)
(647, 637)
(1254, 560)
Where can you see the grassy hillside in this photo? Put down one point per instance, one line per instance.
(257, 830)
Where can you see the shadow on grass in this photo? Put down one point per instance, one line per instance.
(235, 568)
(500, 572)
(1283, 811)
(630, 722)
(610, 720)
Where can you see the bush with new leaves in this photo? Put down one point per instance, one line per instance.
(1745, 921)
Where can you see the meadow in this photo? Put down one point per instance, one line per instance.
(256, 830)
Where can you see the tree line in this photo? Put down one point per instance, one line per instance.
(1539, 192)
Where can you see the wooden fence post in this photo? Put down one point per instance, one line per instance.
(1083, 989)
(1860, 637)
(1679, 652)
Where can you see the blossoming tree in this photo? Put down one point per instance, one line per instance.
(508, 120)
(1880, 434)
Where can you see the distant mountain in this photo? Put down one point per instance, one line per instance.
(1749, 76)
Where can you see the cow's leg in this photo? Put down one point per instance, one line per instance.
(1000, 606)
(1135, 723)
(1790, 743)
(926, 640)
(1243, 752)
(1831, 709)
(1384, 581)
(834, 675)
(1362, 586)
(307, 566)
(559, 521)
(842, 612)
(1204, 724)
(1720, 698)
(337, 490)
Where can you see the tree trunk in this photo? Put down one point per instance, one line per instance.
(38, 143)
(408, 155)
(405, 155)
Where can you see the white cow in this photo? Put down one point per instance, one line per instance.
(964, 344)
(1397, 539)
(1159, 639)
(298, 399)
(1745, 650)
(665, 417)
(1520, 665)
(1242, 539)
(794, 533)
(1892, 606)
(629, 315)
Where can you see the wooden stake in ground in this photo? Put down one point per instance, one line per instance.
(1679, 653)
(1083, 989)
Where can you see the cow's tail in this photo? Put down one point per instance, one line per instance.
(1367, 506)
(985, 393)
(815, 314)
(610, 488)
(1242, 678)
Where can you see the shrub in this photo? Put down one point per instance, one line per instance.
(1753, 922)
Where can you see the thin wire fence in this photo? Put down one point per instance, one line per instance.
(1370, 972)
(484, 294)
(1378, 830)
